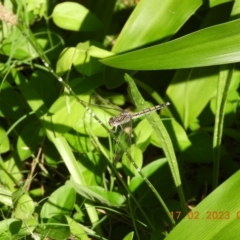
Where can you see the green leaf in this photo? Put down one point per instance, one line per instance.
(144, 27)
(137, 155)
(18, 46)
(143, 133)
(56, 228)
(163, 137)
(211, 46)
(201, 149)
(9, 228)
(85, 64)
(68, 113)
(92, 165)
(30, 93)
(24, 207)
(28, 140)
(97, 52)
(70, 161)
(76, 229)
(11, 175)
(129, 236)
(216, 213)
(177, 134)
(98, 194)
(4, 141)
(75, 17)
(158, 173)
(6, 197)
(200, 82)
(10, 107)
(61, 201)
(66, 59)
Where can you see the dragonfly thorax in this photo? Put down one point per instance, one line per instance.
(120, 119)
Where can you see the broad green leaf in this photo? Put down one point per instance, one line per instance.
(76, 229)
(92, 165)
(191, 90)
(18, 46)
(69, 159)
(97, 52)
(66, 59)
(45, 87)
(9, 227)
(81, 58)
(143, 133)
(80, 143)
(144, 28)
(28, 140)
(201, 149)
(211, 46)
(85, 64)
(177, 134)
(61, 201)
(216, 213)
(229, 111)
(137, 156)
(24, 207)
(6, 197)
(213, 3)
(56, 228)
(146, 25)
(68, 113)
(129, 236)
(39, 6)
(11, 175)
(30, 93)
(158, 173)
(75, 17)
(10, 107)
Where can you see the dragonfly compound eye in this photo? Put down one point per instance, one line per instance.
(111, 122)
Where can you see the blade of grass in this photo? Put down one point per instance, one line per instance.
(163, 138)
(222, 91)
(210, 46)
(65, 151)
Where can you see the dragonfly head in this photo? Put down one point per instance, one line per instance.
(111, 122)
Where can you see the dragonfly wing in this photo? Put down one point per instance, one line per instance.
(96, 100)
(123, 142)
(103, 110)
(133, 150)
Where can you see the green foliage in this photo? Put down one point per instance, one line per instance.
(58, 178)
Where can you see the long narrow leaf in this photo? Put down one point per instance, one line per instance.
(223, 86)
(144, 27)
(162, 135)
(211, 46)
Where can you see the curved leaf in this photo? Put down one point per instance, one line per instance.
(75, 17)
(145, 24)
(216, 213)
(211, 46)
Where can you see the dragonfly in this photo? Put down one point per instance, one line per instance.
(125, 116)
(124, 121)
